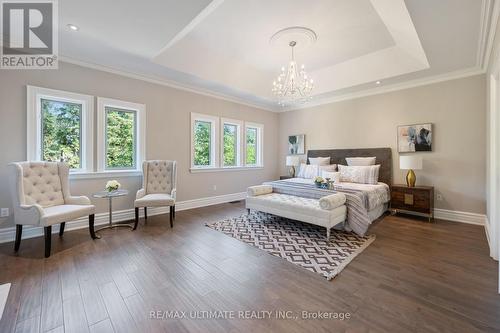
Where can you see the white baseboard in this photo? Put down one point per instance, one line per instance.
(8, 234)
(458, 216)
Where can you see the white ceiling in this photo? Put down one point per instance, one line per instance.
(222, 47)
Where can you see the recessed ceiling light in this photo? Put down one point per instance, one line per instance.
(73, 27)
(378, 82)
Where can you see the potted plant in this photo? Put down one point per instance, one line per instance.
(318, 181)
(112, 185)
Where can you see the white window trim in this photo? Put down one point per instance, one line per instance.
(239, 142)
(215, 137)
(260, 145)
(102, 103)
(34, 122)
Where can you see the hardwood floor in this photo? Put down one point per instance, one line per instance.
(416, 277)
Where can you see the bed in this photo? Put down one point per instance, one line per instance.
(365, 202)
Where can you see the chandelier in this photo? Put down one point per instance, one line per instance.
(292, 85)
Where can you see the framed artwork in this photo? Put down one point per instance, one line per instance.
(296, 144)
(412, 138)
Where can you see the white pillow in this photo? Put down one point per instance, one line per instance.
(359, 174)
(360, 161)
(319, 160)
(330, 168)
(308, 171)
(334, 176)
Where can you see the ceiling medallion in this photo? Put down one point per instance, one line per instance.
(293, 85)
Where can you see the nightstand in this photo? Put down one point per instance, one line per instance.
(418, 199)
(285, 177)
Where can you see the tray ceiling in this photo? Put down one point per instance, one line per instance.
(222, 47)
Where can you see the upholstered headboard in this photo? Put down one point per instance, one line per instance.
(337, 156)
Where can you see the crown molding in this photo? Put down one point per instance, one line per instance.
(164, 82)
(390, 88)
(490, 10)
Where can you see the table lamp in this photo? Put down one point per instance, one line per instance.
(410, 163)
(292, 161)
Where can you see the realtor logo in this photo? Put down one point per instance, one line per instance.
(29, 34)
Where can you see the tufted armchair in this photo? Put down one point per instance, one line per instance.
(158, 188)
(41, 197)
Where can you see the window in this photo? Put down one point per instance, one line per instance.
(231, 142)
(253, 144)
(120, 138)
(59, 127)
(121, 135)
(236, 145)
(203, 141)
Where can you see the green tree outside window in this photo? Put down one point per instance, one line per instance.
(202, 143)
(120, 138)
(230, 145)
(251, 137)
(61, 132)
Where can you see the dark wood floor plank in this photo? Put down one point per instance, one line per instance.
(102, 327)
(75, 320)
(30, 325)
(52, 308)
(31, 297)
(118, 313)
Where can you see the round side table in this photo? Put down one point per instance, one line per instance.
(110, 196)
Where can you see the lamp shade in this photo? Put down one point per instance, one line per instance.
(292, 160)
(410, 162)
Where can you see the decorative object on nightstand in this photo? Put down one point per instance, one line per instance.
(418, 199)
(292, 161)
(410, 163)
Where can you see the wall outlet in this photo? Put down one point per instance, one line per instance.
(439, 197)
(4, 212)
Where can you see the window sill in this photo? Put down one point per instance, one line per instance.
(226, 169)
(105, 174)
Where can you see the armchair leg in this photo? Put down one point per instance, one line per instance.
(171, 216)
(61, 228)
(173, 211)
(146, 213)
(91, 227)
(19, 233)
(136, 217)
(48, 240)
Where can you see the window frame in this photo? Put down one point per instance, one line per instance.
(34, 124)
(140, 133)
(214, 137)
(259, 146)
(239, 142)
(217, 135)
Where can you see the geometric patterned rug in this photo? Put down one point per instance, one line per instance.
(300, 243)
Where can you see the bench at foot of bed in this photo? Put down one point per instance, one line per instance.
(327, 212)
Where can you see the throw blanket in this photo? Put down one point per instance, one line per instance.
(358, 202)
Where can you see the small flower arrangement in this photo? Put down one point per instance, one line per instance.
(318, 181)
(112, 185)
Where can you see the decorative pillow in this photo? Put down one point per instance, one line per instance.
(359, 174)
(329, 168)
(319, 160)
(334, 176)
(308, 171)
(360, 161)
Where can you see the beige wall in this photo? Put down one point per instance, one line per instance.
(457, 108)
(168, 130)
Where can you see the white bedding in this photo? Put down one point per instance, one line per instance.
(377, 196)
